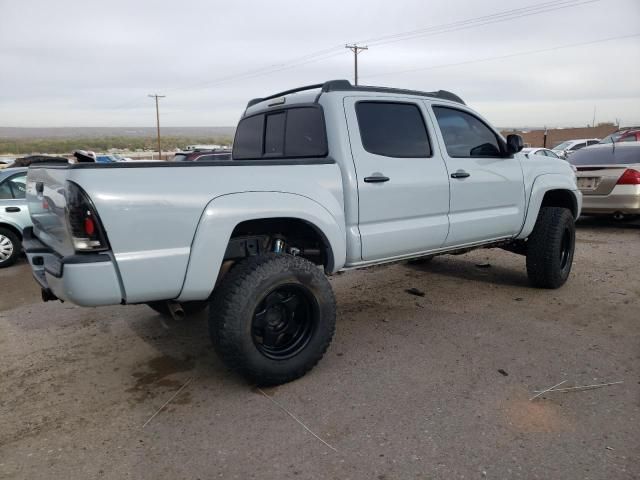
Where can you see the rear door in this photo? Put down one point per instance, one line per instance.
(487, 187)
(13, 206)
(403, 187)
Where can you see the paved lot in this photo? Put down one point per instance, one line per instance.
(410, 388)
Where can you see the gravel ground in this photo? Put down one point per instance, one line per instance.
(412, 387)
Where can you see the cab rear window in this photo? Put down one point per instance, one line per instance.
(295, 132)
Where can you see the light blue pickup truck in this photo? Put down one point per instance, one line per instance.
(323, 178)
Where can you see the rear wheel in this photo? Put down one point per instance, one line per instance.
(9, 247)
(550, 248)
(272, 318)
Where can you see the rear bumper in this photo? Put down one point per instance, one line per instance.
(623, 198)
(84, 279)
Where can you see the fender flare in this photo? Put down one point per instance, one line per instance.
(541, 185)
(224, 213)
(11, 226)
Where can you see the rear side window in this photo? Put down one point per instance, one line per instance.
(393, 129)
(14, 187)
(5, 191)
(466, 136)
(274, 135)
(291, 133)
(249, 135)
(305, 135)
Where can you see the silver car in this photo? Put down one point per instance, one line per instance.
(14, 214)
(545, 152)
(608, 176)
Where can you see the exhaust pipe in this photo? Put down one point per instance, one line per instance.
(48, 295)
(618, 216)
(176, 311)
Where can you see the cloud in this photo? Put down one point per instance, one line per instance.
(93, 63)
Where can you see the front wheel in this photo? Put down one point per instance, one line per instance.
(9, 247)
(272, 318)
(550, 248)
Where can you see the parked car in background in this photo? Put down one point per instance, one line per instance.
(565, 149)
(14, 214)
(202, 156)
(106, 159)
(545, 152)
(5, 162)
(33, 159)
(121, 158)
(202, 148)
(609, 179)
(622, 136)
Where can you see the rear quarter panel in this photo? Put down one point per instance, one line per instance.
(151, 214)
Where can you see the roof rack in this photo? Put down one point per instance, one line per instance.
(345, 85)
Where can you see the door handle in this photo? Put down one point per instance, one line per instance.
(12, 209)
(376, 179)
(460, 174)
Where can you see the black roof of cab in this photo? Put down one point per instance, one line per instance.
(345, 85)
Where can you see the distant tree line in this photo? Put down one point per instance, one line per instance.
(24, 146)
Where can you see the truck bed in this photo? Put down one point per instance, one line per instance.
(151, 211)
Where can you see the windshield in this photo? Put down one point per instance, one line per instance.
(614, 137)
(562, 146)
(179, 157)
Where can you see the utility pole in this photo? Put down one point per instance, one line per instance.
(356, 50)
(156, 96)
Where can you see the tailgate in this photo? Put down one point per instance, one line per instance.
(47, 203)
(598, 180)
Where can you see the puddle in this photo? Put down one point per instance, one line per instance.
(154, 377)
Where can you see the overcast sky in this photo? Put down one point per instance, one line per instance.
(92, 63)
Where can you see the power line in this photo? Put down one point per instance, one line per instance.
(356, 50)
(433, 30)
(478, 21)
(156, 96)
(325, 54)
(486, 59)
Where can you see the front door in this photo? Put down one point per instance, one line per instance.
(403, 187)
(487, 186)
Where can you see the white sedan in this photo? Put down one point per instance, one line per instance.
(545, 152)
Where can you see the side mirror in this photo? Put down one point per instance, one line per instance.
(514, 143)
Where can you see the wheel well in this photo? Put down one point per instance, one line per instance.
(562, 199)
(298, 234)
(13, 229)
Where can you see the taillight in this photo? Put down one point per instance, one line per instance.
(629, 177)
(87, 234)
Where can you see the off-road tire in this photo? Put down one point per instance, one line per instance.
(190, 308)
(550, 248)
(9, 237)
(238, 297)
